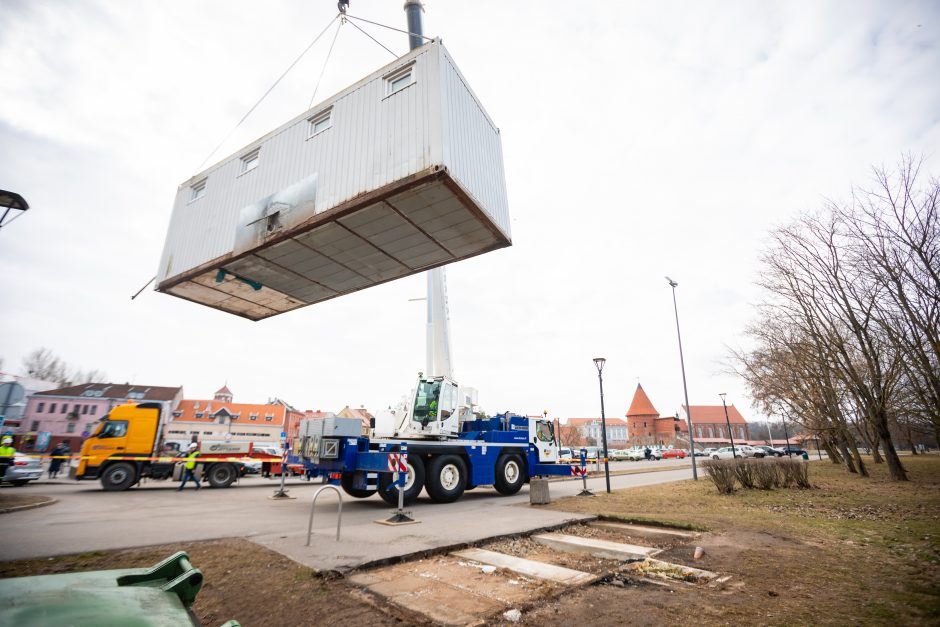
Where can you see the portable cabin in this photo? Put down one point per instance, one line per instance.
(398, 173)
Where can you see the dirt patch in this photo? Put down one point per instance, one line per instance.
(243, 581)
(530, 549)
(14, 502)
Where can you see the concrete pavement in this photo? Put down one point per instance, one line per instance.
(86, 519)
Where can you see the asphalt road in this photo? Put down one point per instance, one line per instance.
(86, 518)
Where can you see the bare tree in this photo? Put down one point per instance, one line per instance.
(43, 364)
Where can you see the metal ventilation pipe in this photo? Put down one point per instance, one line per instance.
(413, 10)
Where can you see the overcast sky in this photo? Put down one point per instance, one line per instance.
(640, 139)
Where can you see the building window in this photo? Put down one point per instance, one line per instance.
(65, 408)
(197, 190)
(51, 408)
(70, 427)
(40, 407)
(199, 414)
(207, 433)
(399, 80)
(94, 410)
(250, 161)
(35, 426)
(84, 409)
(253, 417)
(320, 122)
(269, 417)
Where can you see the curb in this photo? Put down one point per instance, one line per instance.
(20, 508)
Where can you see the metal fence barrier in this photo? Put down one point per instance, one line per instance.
(339, 513)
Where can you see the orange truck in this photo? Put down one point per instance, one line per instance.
(127, 446)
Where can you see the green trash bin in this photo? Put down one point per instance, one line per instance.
(160, 596)
(805, 456)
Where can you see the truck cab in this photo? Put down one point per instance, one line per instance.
(128, 431)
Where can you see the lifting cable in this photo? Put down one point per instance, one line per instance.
(362, 19)
(327, 60)
(270, 89)
(373, 39)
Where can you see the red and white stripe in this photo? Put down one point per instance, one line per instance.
(396, 462)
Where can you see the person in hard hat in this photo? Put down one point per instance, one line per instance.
(7, 453)
(190, 466)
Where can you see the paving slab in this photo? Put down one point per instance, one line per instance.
(595, 547)
(529, 568)
(642, 530)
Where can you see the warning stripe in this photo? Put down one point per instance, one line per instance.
(209, 457)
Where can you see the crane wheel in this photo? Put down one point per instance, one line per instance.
(414, 482)
(447, 478)
(510, 474)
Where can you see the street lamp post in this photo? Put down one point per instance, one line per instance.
(685, 388)
(599, 362)
(728, 420)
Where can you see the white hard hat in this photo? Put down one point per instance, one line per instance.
(7, 439)
(193, 445)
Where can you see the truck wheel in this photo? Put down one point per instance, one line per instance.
(221, 475)
(510, 474)
(447, 478)
(118, 476)
(347, 484)
(414, 482)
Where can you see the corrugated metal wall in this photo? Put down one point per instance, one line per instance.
(472, 146)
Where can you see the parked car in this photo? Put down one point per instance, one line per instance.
(23, 470)
(793, 450)
(725, 453)
(747, 450)
(770, 451)
(656, 452)
(567, 456)
(674, 453)
(635, 454)
(702, 452)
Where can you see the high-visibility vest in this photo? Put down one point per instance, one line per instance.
(7, 451)
(191, 460)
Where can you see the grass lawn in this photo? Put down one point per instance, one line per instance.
(849, 550)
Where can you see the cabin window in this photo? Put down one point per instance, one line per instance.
(320, 122)
(197, 190)
(250, 161)
(398, 81)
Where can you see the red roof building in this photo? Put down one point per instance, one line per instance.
(221, 419)
(711, 427)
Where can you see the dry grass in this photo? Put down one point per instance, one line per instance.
(847, 550)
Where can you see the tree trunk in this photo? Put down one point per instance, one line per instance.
(870, 441)
(895, 468)
(875, 453)
(910, 439)
(847, 457)
(831, 451)
(855, 454)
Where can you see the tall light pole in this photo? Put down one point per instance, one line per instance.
(728, 420)
(599, 362)
(685, 388)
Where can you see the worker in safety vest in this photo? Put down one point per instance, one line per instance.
(190, 465)
(7, 452)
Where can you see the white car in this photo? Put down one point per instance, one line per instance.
(749, 451)
(635, 454)
(725, 453)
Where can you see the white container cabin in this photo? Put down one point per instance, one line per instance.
(399, 173)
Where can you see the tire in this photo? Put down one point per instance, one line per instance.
(346, 482)
(715, 457)
(510, 474)
(118, 477)
(414, 483)
(222, 475)
(446, 478)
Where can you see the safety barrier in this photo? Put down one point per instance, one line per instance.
(339, 514)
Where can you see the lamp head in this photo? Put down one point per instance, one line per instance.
(723, 395)
(671, 282)
(599, 362)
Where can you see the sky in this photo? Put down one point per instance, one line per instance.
(641, 139)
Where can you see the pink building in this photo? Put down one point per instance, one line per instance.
(69, 414)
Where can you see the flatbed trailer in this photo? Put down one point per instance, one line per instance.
(504, 451)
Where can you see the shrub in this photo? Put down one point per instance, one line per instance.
(765, 474)
(721, 472)
(793, 473)
(744, 472)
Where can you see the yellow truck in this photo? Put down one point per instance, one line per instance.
(127, 445)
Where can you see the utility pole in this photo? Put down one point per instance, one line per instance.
(685, 387)
(734, 453)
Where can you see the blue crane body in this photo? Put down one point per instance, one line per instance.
(444, 449)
